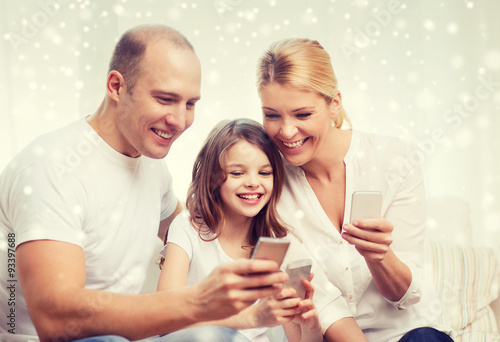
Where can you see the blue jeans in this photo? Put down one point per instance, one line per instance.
(425, 334)
(195, 334)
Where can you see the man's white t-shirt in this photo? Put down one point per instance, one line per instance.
(71, 186)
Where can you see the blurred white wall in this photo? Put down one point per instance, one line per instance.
(426, 71)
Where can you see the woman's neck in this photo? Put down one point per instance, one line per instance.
(330, 158)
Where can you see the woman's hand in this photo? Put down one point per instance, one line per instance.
(371, 237)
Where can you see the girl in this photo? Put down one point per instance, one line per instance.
(236, 183)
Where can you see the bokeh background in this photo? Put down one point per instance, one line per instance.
(426, 71)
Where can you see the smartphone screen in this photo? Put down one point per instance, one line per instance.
(271, 249)
(366, 204)
(297, 272)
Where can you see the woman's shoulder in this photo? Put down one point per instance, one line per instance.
(375, 144)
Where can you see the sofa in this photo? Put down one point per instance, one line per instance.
(466, 277)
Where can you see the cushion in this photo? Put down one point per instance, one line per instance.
(467, 280)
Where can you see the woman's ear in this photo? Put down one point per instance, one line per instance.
(336, 105)
(115, 85)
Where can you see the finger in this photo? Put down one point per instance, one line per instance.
(380, 224)
(288, 303)
(250, 295)
(262, 279)
(308, 314)
(355, 236)
(309, 289)
(287, 292)
(250, 266)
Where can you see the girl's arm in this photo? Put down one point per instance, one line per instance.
(267, 312)
(175, 268)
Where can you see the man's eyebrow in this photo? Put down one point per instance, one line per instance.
(157, 92)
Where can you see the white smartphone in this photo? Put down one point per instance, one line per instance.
(366, 204)
(271, 249)
(298, 270)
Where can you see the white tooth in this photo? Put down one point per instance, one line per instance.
(249, 196)
(295, 144)
(163, 134)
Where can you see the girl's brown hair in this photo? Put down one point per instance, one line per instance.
(204, 201)
(303, 64)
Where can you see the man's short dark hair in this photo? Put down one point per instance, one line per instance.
(130, 49)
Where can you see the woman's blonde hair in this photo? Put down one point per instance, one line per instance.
(303, 64)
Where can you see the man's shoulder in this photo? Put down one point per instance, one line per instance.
(50, 146)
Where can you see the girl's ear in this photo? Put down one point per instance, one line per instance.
(335, 105)
(115, 85)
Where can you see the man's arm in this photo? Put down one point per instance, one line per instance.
(165, 224)
(52, 275)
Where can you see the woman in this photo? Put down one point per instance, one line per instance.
(379, 268)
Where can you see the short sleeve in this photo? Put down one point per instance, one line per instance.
(169, 200)
(45, 202)
(181, 233)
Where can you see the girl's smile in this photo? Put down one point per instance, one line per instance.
(249, 183)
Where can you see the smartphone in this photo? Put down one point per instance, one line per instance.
(298, 270)
(271, 249)
(366, 204)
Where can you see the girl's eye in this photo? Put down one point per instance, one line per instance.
(265, 173)
(236, 173)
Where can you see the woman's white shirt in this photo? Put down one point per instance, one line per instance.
(372, 163)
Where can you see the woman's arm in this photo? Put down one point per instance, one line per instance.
(345, 330)
(372, 238)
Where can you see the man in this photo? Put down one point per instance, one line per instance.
(82, 206)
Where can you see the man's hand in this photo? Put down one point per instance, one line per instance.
(234, 286)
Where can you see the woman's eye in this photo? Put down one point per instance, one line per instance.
(271, 116)
(303, 115)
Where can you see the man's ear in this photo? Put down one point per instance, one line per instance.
(336, 105)
(115, 85)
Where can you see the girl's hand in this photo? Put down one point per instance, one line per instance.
(276, 310)
(371, 237)
(308, 316)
